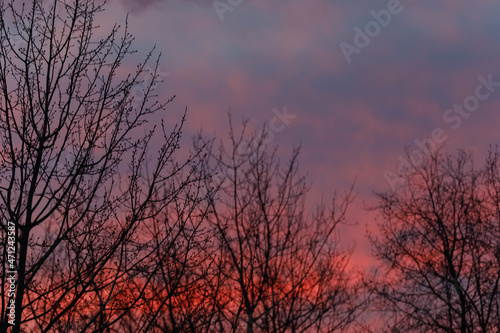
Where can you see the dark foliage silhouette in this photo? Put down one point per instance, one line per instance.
(116, 233)
(79, 178)
(439, 243)
(281, 269)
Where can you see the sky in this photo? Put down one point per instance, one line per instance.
(352, 82)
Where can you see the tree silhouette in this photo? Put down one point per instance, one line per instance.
(438, 241)
(281, 269)
(92, 192)
(106, 232)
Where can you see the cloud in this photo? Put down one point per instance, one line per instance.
(353, 120)
(134, 6)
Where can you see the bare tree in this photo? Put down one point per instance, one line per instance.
(438, 241)
(281, 269)
(104, 222)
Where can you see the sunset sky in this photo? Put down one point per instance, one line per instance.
(354, 114)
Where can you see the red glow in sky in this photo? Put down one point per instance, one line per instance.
(353, 118)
